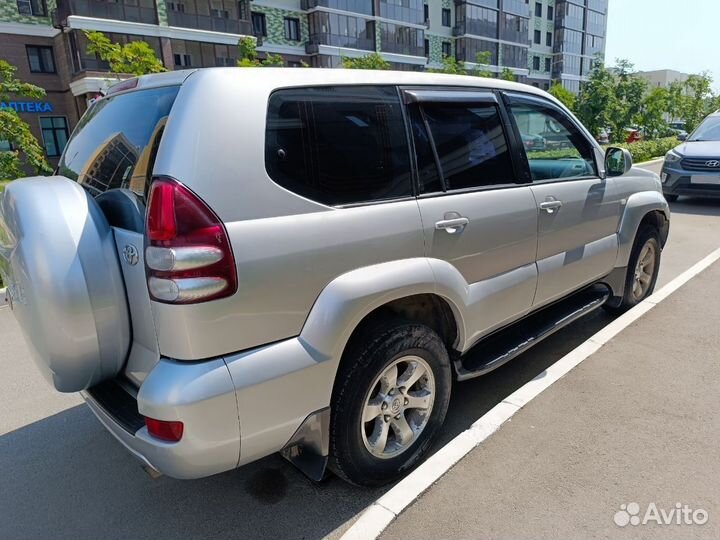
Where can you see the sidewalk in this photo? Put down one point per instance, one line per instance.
(637, 422)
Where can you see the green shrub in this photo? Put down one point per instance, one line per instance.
(647, 150)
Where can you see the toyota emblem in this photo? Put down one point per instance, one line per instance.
(130, 254)
(712, 163)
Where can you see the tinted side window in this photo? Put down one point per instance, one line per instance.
(338, 145)
(470, 144)
(555, 148)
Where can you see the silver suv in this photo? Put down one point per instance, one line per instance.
(236, 262)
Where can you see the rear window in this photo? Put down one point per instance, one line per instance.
(114, 144)
(338, 145)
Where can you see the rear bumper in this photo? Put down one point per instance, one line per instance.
(202, 396)
(268, 392)
(678, 181)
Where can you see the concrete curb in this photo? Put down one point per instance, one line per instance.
(3, 297)
(380, 514)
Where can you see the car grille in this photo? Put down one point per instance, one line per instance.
(701, 164)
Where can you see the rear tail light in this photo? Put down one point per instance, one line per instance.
(170, 431)
(187, 255)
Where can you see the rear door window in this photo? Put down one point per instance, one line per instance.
(469, 145)
(114, 144)
(338, 145)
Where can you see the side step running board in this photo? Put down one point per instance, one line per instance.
(507, 343)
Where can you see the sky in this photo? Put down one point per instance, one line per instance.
(683, 35)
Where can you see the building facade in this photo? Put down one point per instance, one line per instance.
(540, 41)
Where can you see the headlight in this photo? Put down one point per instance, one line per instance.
(672, 157)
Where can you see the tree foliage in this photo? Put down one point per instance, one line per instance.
(369, 61)
(654, 111)
(248, 55)
(26, 150)
(698, 100)
(507, 75)
(135, 57)
(563, 95)
(451, 66)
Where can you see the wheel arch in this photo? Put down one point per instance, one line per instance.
(645, 207)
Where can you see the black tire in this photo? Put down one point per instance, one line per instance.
(366, 358)
(646, 233)
(671, 198)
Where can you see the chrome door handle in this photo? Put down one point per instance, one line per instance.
(452, 226)
(550, 206)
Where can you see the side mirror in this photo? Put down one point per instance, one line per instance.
(618, 161)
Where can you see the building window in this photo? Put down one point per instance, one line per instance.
(550, 13)
(536, 63)
(446, 17)
(426, 13)
(5, 146)
(547, 64)
(41, 59)
(427, 47)
(538, 9)
(259, 24)
(548, 39)
(54, 133)
(182, 60)
(292, 29)
(176, 6)
(446, 50)
(537, 36)
(35, 8)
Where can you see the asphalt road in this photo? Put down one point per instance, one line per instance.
(64, 476)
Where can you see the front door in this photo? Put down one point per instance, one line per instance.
(475, 215)
(578, 211)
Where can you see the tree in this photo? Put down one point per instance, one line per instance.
(507, 75)
(697, 101)
(248, 56)
(369, 61)
(629, 90)
(135, 57)
(596, 103)
(563, 95)
(453, 67)
(482, 59)
(652, 115)
(26, 151)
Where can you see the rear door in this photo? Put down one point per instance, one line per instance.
(579, 211)
(476, 214)
(111, 154)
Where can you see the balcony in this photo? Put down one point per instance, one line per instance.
(227, 25)
(334, 40)
(141, 11)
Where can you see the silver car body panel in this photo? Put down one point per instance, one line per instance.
(202, 396)
(144, 351)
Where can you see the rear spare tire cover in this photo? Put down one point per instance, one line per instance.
(58, 254)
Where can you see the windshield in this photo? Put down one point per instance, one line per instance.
(114, 144)
(709, 130)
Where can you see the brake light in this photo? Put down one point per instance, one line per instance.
(188, 258)
(170, 431)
